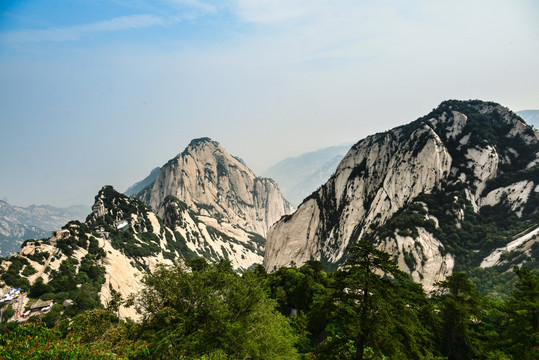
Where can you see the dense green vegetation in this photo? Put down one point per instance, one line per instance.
(368, 309)
(34, 341)
(12, 276)
(208, 310)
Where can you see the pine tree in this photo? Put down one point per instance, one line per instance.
(460, 311)
(520, 326)
(377, 310)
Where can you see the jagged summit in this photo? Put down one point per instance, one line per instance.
(214, 183)
(201, 142)
(456, 163)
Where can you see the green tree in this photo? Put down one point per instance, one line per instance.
(295, 290)
(7, 313)
(519, 326)
(208, 309)
(34, 341)
(100, 326)
(460, 310)
(377, 310)
(38, 288)
(115, 302)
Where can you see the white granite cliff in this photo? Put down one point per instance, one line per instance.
(384, 172)
(214, 183)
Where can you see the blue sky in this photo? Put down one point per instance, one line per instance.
(100, 92)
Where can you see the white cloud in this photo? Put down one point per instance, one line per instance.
(76, 32)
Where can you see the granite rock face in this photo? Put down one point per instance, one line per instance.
(121, 240)
(215, 184)
(479, 149)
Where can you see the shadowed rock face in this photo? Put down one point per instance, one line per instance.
(214, 183)
(464, 145)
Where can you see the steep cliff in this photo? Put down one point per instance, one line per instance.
(213, 183)
(415, 189)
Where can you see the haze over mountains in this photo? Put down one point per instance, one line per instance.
(299, 176)
(140, 185)
(457, 189)
(35, 221)
(530, 116)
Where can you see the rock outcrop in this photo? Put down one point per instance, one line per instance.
(109, 253)
(222, 215)
(479, 153)
(216, 184)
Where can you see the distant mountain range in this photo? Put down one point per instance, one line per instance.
(299, 176)
(35, 221)
(455, 190)
(530, 116)
(204, 203)
(139, 186)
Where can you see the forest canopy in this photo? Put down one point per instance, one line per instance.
(368, 309)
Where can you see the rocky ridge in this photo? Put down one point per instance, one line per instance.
(91, 262)
(213, 183)
(471, 156)
(103, 259)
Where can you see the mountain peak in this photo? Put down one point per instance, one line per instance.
(212, 182)
(444, 171)
(203, 141)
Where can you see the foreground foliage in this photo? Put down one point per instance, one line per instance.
(369, 309)
(208, 310)
(35, 341)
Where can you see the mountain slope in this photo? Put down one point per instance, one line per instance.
(89, 262)
(433, 193)
(301, 175)
(18, 223)
(530, 116)
(208, 204)
(212, 182)
(140, 185)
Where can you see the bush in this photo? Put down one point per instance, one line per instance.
(39, 288)
(7, 313)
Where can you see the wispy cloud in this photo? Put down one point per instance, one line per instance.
(76, 32)
(196, 5)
